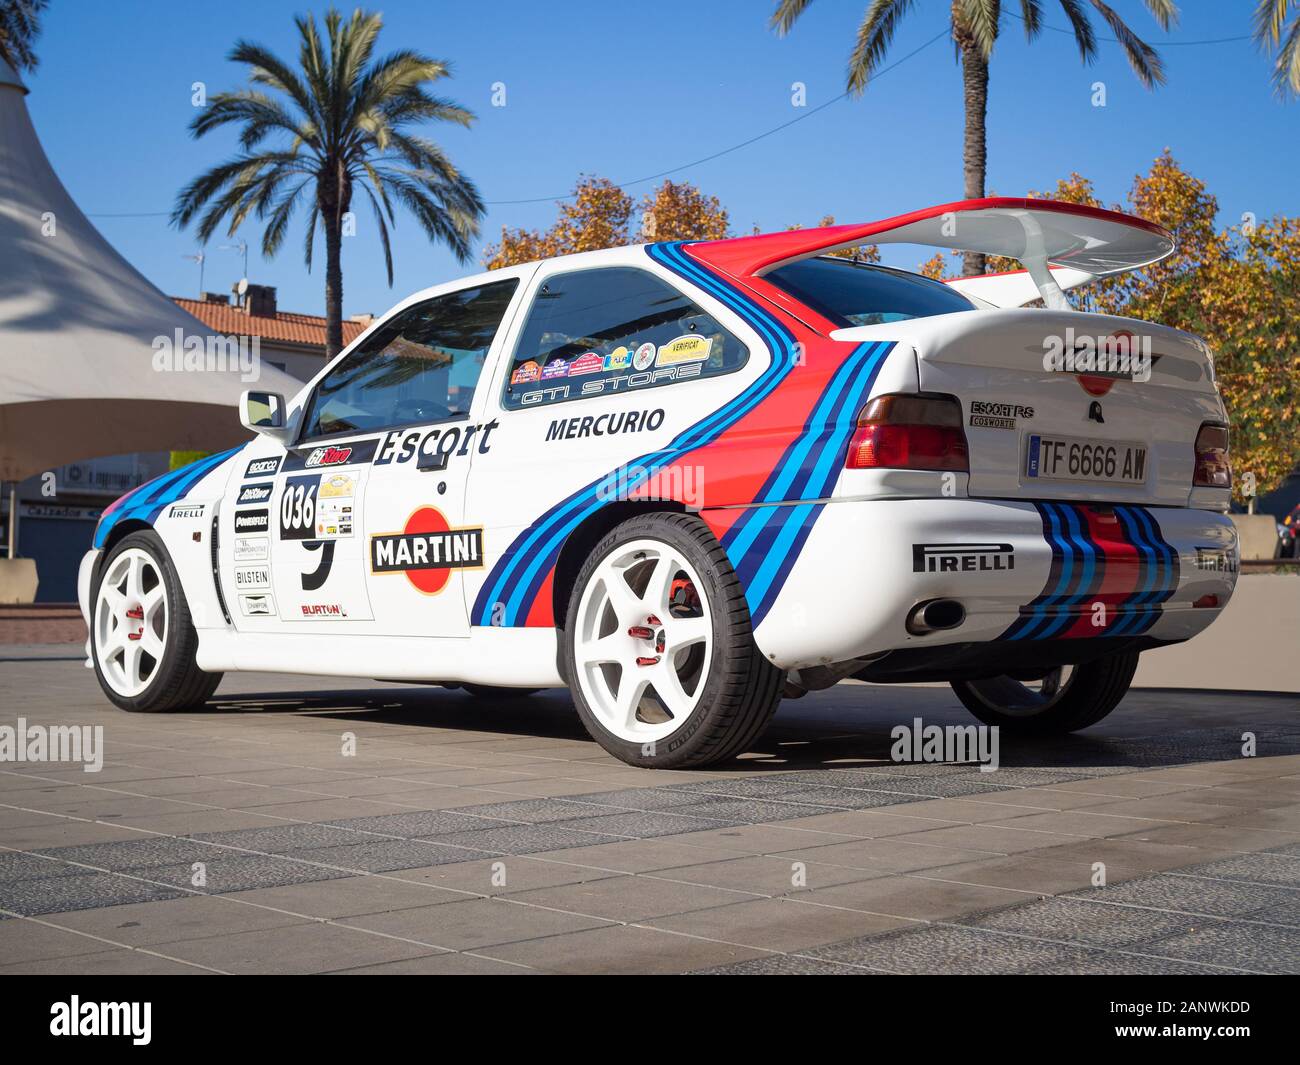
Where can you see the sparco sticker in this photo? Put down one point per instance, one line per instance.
(266, 467)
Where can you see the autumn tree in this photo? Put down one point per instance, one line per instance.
(1238, 288)
(597, 215)
(680, 211)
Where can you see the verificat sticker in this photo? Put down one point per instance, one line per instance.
(688, 348)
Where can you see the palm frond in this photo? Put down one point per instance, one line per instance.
(874, 37)
(1084, 36)
(383, 232)
(20, 25)
(346, 120)
(786, 14)
(1270, 20)
(981, 18)
(1286, 69)
(1031, 14)
(1145, 60)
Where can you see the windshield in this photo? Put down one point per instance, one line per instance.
(849, 293)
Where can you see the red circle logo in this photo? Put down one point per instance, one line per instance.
(427, 520)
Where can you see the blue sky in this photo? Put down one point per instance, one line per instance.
(628, 90)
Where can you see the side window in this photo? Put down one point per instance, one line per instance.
(420, 366)
(605, 331)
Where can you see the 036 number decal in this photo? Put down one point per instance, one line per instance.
(298, 508)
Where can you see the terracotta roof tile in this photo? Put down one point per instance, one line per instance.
(284, 326)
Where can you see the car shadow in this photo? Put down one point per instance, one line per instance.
(847, 727)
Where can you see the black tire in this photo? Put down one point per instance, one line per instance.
(742, 689)
(1093, 690)
(492, 691)
(176, 683)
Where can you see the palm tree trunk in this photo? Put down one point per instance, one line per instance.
(975, 87)
(333, 285)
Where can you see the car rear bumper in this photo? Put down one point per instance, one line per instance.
(1023, 573)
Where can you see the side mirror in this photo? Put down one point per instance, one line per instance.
(265, 413)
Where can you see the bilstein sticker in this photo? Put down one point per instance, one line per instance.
(252, 577)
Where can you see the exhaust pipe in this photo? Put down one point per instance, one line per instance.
(935, 615)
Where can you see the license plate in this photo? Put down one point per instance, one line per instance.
(1070, 458)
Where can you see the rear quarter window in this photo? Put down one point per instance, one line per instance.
(610, 331)
(849, 293)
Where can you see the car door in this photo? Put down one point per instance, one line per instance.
(419, 542)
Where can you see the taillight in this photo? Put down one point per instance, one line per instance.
(1213, 469)
(909, 432)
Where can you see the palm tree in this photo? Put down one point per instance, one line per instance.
(975, 26)
(20, 25)
(344, 126)
(1272, 31)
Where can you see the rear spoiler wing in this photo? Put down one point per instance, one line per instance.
(1042, 234)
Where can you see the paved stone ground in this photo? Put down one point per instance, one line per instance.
(466, 837)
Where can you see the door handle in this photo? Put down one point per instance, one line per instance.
(435, 461)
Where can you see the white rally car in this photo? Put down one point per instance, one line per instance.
(686, 480)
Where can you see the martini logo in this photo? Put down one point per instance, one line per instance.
(1098, 362)
(427, 550)
(328, 456)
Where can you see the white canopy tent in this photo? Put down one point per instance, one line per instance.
(79, 376)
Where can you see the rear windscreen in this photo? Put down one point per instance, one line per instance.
(849, 293)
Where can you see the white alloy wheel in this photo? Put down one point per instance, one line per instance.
(131, 622)
(644, 641)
